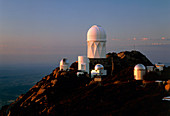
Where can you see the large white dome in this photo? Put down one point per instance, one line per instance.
(139, 67)
(96, 33)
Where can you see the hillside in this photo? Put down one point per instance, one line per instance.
(63, 93)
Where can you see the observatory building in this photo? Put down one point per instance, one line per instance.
(150, 68)
(96, 47)
(83, 63)
(160, 67)
(96, 42)
(98, 70)
(139, 71)
(64, 64)
(96, 50)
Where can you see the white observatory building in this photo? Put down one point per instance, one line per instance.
(83, 63)
(64, 64)
(96, 42)
(96, 50)
(160, 67)
(150, 68)
(98, 70)
(139, 71)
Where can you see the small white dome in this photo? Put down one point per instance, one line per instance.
(99, 67)
(64, 61)
(139, 67)
(96, 33)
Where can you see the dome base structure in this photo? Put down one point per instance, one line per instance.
(96, 49)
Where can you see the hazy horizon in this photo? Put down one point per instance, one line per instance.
(39, 31)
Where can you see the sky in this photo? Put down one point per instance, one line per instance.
(41, 31)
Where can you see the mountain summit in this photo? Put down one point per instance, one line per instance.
(63, 93)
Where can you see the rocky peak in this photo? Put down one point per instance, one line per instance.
(63, 93)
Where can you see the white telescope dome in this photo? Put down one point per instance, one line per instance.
(139, 71)
(99, 67)
(139, 67)
(64, 61)
(96, 33)
(64, 64)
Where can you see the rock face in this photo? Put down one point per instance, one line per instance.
(63, 93)
(127, 59)
(114, 63)
(40, 99)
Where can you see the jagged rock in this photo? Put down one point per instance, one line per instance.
(74, 66)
